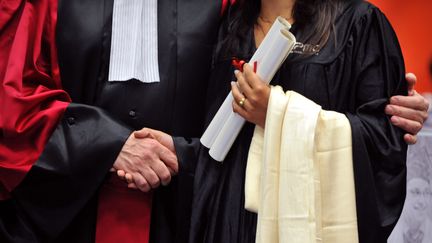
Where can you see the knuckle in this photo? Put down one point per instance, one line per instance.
(144, 187)
(146, 155)
(172, 160)
(424, 116)
(246, 73)
(234, 89)
(132, 162)
(253, 99)
(260, 89)
(141, 183)
(417, 127)
(403, 124)
(166, 176)
(145, 130)
(419, 101)
(235, 109)
(240, 76)
(396, 111)
(147, 188)
(155, 183)
(153, 144)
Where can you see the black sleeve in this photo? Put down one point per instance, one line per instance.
(71, 168)
(187, 154)
(379, 151)
(172, 205)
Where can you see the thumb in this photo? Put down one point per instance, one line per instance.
(411, 80)
(143, 133)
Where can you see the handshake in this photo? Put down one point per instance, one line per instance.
(147, 160)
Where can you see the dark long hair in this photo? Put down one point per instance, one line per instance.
(315, 18)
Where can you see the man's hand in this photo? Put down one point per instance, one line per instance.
(408, 112)
(147, 161)
(163, 138)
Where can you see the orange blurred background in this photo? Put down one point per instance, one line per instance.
(412, 21)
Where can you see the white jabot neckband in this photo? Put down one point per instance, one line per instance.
(134, 41)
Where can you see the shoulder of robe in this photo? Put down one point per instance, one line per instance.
(353, 16)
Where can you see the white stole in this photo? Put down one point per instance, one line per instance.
(134, 41)
(299, 176)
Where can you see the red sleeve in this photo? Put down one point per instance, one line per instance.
(31, 97)
(225, 4)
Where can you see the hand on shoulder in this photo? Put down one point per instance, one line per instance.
(408, 112)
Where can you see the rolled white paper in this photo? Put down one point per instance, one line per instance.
(225, 110)
(217, 123)
(226, 137)
(266, 45)
(226, 125)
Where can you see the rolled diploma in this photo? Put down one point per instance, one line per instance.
(225, 111)
(279, 46)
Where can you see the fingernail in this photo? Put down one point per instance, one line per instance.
(410, 76)
(389, 109)
(395, 119)
(236, 72)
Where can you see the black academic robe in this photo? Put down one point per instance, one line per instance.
(355, 73)
(57, 199)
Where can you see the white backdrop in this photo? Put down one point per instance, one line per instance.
(415, 223)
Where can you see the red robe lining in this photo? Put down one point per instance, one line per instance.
(32, 104)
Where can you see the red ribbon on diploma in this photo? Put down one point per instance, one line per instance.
(238, 64)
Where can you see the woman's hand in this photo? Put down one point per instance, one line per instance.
(251, 96)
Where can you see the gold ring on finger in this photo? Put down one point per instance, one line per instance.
(242, 101)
